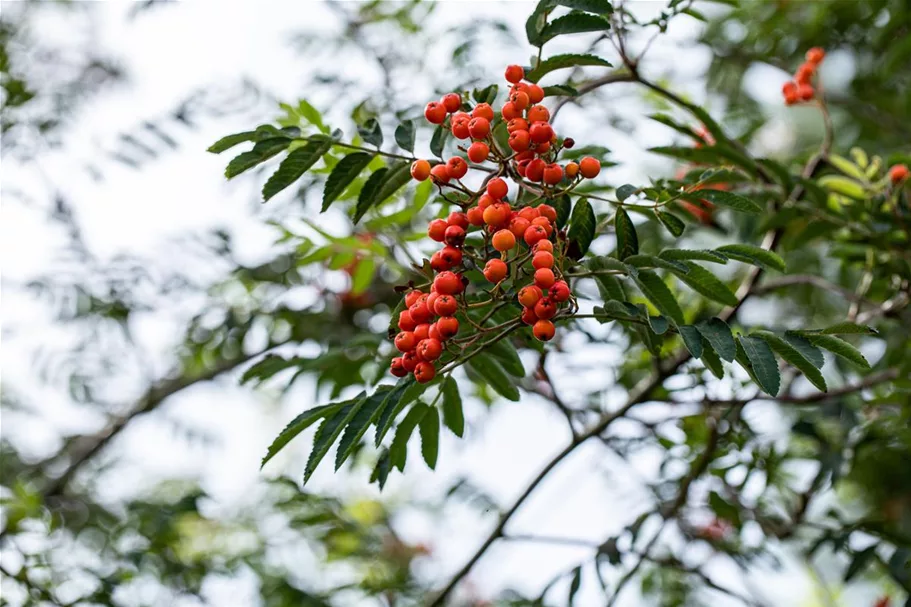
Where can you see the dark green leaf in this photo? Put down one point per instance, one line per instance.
(849, 328)
(404, 135)
(574, 23)
(627, 240)
(295, 165)
(671, 222)
(683, 254)
(563, 61)
(562, 205)
(430, 436)
(702, 281)
(711, 360)
(806, 349)
(859, 562)
(680, 128)
(398, 450)
(726, 199)
(574, 585)
(838, 346)
(487, 94)
(560, 90)
(366, 414)
(329, 431)
(298, 425)
(659, 294)
(718, 334)
(496, 377)
(453, 416)
(625, 191)
(763, 363)
(261, 152)
(228, 142)
(381, 470)
(395, 402)
(399, 174)
(368, 193)
(610, 288)
(723, 508)
(650, 339)
(792, 356)
(270, 365)
(650, 261)
(599, 7)
(658, 324)
(507, 356)
(371, 132)
(438, 140)
(346, 171)
(537, 21)
(692, 339)
(581, 228)
(753, 255)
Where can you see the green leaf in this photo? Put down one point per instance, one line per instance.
(560, 90)
(404, 135)
(627, 240)
(295, 165)
(711, 360)
(659, 294)
(558, 62)
(366, 414)
(298, 425)
(692, 339)
(671, 222)
(395, 402)
(229, 141)
(487, 94)
(849, 328)
(838, 346)
(725, 199)
(806, 349)
(859, 562)
(438, 140)
(610, 288)
(346, 171)
(363, 275)
(792, 356)
(573, 23)
(562, 205)
(763, 364)
(650, 339)
(371, 132)
(658, 324)
(842, 185)
(718, 334)
(599, 7)
(381, 470)
(702, 281)
(311, 115)
(625, 191)
(752, 254)
(399, 174)
(398, 450)
(684, 254)
(496, 377)
(430, 436)
(507, 356)
(329, 431)
(261, 152)
(368, 193)
(680, 128)
(574, 585)
(537, 21)
(453, 416)
(650, 261)
(581, 228)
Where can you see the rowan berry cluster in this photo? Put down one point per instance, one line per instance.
(801, 87)
(522, 252)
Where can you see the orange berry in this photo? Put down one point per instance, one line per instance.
(420, 169)
(437, 231)
(497, 215)
(534, 234)
(516, 124)
(485, 201)
(514, 73)
(478, 152)
(520, 100)
(805, 73)
(435, 112)
(528, 316)
(544, 278)
(440, 174)
(530, 213)
(456, 167)
(543, 330)
(543, 245)
(548, 211)
(535, 93)
(815, 55)
(590, 167)
(482, 110)
(805, 92)
(542, 148)
(475, 216)
(495, 270)
(540, 132)
(518, 225)
(503, 240)
(898, 173)
(519, 140)
(553, 174)
(424, 372)
(545, 308)
(452, 102)
(448, 326)
(544, 222)
(538, 113)
(497, 188)
(447, 283)
(529, 296)
(571, 170)
(510, 111)
(542, 259)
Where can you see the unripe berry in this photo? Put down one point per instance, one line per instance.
(451, 255)
(548, 211)
(503, 240)
(898, 173)
(439, 174)
(540, 132)
(545, 309)
(518, 225)
(528, 316)
(497, 215)
(429, 349)
(452, 102)
(535, 93)
(406, 323)
(456, 167)
(438, 263)
(543, 245)
(535, 170)
(815, 55)
(529, 296)
(559, 292)
(544, 330)
(405, 341)
(495, 270)
(514, 73)
(448, 326)
(544, 278)
(397, 368)
(542, 259)
(516, 124)
(412, 297)
(553, 174)
(510, 111)
(424, 372)
(435, 112)
(519, 140)
(447, 283)
(479, 128)
(590, 167)
(420, 169)
(455, 236)
(497, 188)
(535, 233)
(571, 170)
(478, 152)
(483, 110)
(437, 229)
(410, 360)
(476, 216)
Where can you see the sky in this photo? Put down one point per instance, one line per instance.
(171, 50)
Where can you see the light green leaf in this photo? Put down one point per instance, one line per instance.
(704, 282)
(496, 377)
(366, 414)
(311, 115)
(295, 165)
(453, 416)
(659, 294)
(842, 185)
(398, 450)
(404, 135)
(684, 254)
(346, 171)
(581, 227)
(298, 425)
(430, 436)
(558, 62)
(792, 356)
(754, 255)
(363, 275)
(846, 166)
(725, 199)
(718, 334)
(838, 346)
(627, 240)
(329, 431)
(763, 363)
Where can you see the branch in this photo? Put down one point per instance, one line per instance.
(590, 86)
(809, 279)
(551, 393)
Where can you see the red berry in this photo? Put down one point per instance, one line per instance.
(542, 148)
(529, 296)
(479, 128)
(475, 216)
(438, 263)
(432, 300)
(429, 349)
(528, 316)
(420, 312)
(805, 73)
(448, 326)
(435, 113)
(457, 218)
(456, 167)
(405, 341)
(534, 234)
(410, 360)
(898, 173)
(519, 140)
(540, 132)
(543, 245)
(535, 93)
(510, 111)
(437, 229)
(504, 240)
(497, 215)
(538, 113)
(569, 142)
(553, 174)
(406, 323)
(422, 331)
(559, 292)
(482, 110)
(478, 152)
(495, 270)
(518, 225)
(548, 211)
(420, 169)
(412, 297)
(805, 92)
(445, 305)
(535, 170)
(460, 129)
(520, 100)
(424, 372)
(544, 223)
(544, 330)
(455, 236)
(544, 278)
(529, 213)
(545, 308)
(434, 332)
(451, 255)
(452, 102)
(542, 259)
(485, 201)
(439, 174)
(447, 283)
(516, 124)
(497, 188)
(514, 73)
(590, 167)
(789, 88)
(397, 367)
(815, 55)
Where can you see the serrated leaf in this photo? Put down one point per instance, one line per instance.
(573, 23)
(849, 328)
(229, 141)
(671, 222)
(752, 254)
(368, 193)
(496, 377)
(684, 254)
(295, 165)
(718, 334)
(627, 240)
(711, 360)
(346, 170)
(311, 115)
(507, 356)
(261, 152)
(704, 282)
(398, 449)
(610, 288)
(537, 21)
(792, 356)
(371, 132)
(366, 414)
(763, 364)
(659, 294)
(404, 135)
(453, 416)
(692, 339)
(562, 205)
(581, 228)
(650, 261)
(806, 349)
(838, 346)
(394, 403)
(381, 470)
(558, 62)
(429, 427)
(560, 90)
(399, 174)
(438, 140)
(329, 431)
(599, 7)
(725, 199)
(298, 425)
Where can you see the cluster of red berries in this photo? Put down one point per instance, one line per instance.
(522, 244)
(801, 87)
